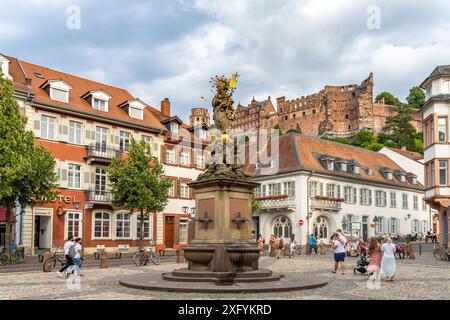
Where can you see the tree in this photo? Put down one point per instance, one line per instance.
(294, 131)
(364, 137)
(399, 129)
(27, 170)
(416, 97)
(389, 98)
(137, 183)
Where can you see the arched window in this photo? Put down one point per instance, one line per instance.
(320, 228)
(102, 224)
(282, 227)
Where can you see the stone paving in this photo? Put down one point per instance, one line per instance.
(423, 278)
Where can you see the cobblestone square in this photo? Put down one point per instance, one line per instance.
(423, 278)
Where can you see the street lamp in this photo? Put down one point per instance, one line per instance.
(185, 209)
(76, 205)
(192, 212)
(344, 223)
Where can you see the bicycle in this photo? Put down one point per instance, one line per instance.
(142, 257)
(4, 256)
(298, 249)
(50, 263)
(438, 251)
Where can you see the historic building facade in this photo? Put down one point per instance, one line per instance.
(435, 113)
(85, 125)
(319, 186)
(256, 115)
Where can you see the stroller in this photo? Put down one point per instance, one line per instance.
(361, 265)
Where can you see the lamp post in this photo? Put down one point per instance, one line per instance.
(344, 223)
(308, 212)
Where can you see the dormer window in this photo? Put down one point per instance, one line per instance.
(135, 108)
(136, 113)
(402, 178)
(98, 99)
(174, 127)
(369, 172)
(99, 104)
(4, 67)
(330, 165)
(342, 164)
(389, 175)
(58, 90)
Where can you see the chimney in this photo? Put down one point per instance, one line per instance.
(165, 107)
(28, 82)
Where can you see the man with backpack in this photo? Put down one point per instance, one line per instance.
(69, 253)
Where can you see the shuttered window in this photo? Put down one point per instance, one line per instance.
(75, 132)
(74, 176)
(47, 127)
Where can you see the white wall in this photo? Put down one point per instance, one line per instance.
(407, 164)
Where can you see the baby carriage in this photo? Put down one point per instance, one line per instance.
(361, 265)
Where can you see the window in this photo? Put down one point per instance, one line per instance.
(389, 175)
(349, 194)
(172, 189)
(59, 95)
(442, 172)
(446, 86)
(404, 201)
(393, 200)
(174, 127)
(415, 202)
(124, 141)
(442, 129)
(355, 169)
(427, 134)
(379, 225)
(330, 165)
(147, 224)
(99, 104)
(47, 127)
(289, 189)
(343, 167)
(415, 226)
(282, 227)
(184, 159)
(75, 132)
(184, 190)
(365, 197)
(393, 225)
(200, 161)
(74, 224)
(380, 198)
(136, 113)
(183, 232)
(333, 190)
(402, 178)
(432, 131)
(424, 205)
(274, 189)
(102, 225)
(315, 188)
(148, 139)
(74, 176)
(170, 156)
(123, 224)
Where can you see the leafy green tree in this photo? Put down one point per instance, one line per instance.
(27, 170)
(416, 97)
(389, 98)
(138, 183)
(399, 129)
(364, 137)
(255, 205)
(375, 146)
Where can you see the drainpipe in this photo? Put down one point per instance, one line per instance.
(308, 249)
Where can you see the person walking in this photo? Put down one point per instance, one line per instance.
(280, 246)
(78, 256)
(312, 243)
(339, 253)
(292, 248)
(69, 246)
(388, 260)
(374, 252)
(261, 243)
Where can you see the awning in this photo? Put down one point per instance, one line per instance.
(3, 215)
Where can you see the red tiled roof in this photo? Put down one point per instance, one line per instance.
(79, 89)
(408, 154)
(300, 152)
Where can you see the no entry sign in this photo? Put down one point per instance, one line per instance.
(301, 222)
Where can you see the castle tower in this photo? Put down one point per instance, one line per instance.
(199, 116)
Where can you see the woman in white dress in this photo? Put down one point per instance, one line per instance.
(388, 260)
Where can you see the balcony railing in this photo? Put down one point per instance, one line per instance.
(100, 151)
(277, 203)
(326, 203)
(98, 196)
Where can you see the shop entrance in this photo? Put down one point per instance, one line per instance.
(42, 233)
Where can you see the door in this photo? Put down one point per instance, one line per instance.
(44, 232)
(37, 230)
(365, 228)
(101, 136)
(100, 184)
(168, 231)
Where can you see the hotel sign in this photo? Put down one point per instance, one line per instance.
(59, 199)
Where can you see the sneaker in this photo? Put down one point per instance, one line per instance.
(59, 274)
(333, 271)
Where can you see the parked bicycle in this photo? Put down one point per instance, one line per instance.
(4, 256)
(142, 257)
(438, 252)
(298, 249)
(50, 263)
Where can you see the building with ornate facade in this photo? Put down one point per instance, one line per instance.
(435, 113)
(85, 124)
(255, 115)
(317, 186)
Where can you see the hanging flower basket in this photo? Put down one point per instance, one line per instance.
(329, 198)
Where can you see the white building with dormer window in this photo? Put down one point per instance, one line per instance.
(328, 185)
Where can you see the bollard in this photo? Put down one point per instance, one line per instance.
(104, 259)
(420, 249)
(180, 256)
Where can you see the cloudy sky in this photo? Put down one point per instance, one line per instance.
(170, 48)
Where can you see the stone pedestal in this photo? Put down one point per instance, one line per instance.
(223, 239)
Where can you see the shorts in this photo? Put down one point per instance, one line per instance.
(339, 257)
